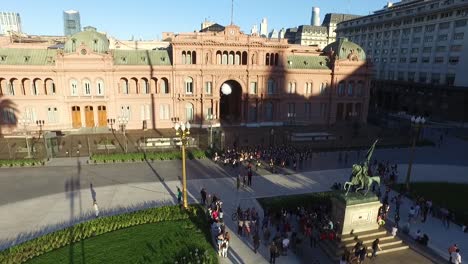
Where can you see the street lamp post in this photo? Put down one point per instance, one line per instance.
(123, 121)
(40, 124)
(183, 131)
(416, 123)
(25, 122)
(210, 118)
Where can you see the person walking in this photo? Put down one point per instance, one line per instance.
(203, 196)
(179, 196)
(96, 209)
(238, 181)
(451, 250)
(249, 175)
(375, 247)
(256, 241)
(456, 257)
(273, 250)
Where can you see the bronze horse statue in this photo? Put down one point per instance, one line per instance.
(360, 175)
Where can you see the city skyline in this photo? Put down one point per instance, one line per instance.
(110, 18)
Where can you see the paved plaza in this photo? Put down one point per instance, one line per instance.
(45, 198)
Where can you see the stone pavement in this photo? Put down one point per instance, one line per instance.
(24, 217)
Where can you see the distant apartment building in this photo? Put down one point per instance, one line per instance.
(71, 22)
(10, 22)
(320, 36)
(418, 48)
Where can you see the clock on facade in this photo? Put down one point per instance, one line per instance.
(83, 52)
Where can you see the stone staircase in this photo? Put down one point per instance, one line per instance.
(335, 249)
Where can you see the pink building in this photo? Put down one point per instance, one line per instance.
(267, 82)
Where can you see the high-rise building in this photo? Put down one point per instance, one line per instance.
(264, 27)
(418, 45)
(71, 22)
(315, 20)
(254, 30)
(10, 21)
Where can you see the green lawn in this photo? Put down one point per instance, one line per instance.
(449, 195)
(163, 242)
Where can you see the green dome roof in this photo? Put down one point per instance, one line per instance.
(345, 49)
(94, 40)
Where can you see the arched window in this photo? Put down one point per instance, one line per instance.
(124, 85)
(308, 88)
(73, 49)
(164, 86)
(184, 57)
(50, 87)
(194, 57)
(276, 59)
(144, 86)
(350, 88)
(218, 57)
(189, 58)
(360, 88)
(100, 87)
(341, 88)
(267, 59)
(3, 86)
(292, 87)
(35, 87)
(237, 58)
(189, 112)
(12, 86)
(86, 87)
(73, 87)
(189, 85)
(244, 58)
(323, 88)
(231, 58)
(224, 59)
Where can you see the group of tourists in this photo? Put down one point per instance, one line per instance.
(214, 207)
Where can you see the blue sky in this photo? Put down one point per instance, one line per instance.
(148, 18)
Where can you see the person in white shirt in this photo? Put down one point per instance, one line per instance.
(394, 230)
(456, 257)
(285, 245)
(96, 209)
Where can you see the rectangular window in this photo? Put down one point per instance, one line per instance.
(405, 41)
(253, 88)
(404, 51)
(323, 109)
(442, 37)
(271, 87)
(413, 60)
(100, 88)
(403, 60)
(125, 111)
(401, 76)
(308, 88)
(411, 76)
(425, 60)
(52, 115)
(441, 48)
(435, 78)
(308, 110)
(164, 112)
(458, 35)
(453, 60)
(430, 28)
(450, 79)
(422, 77)
(444, 25)
(87, 87)
(427, 49)
(428, 39)
(460, 23)
(415, 50)
(145, 112)
(439, 60)
(189, 87)
(74, 89)
(456, 48)
(208, 87)
(416, 40)
(417, 29)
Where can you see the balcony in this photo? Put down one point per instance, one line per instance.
(86, 98)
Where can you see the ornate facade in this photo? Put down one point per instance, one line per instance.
(269, 82)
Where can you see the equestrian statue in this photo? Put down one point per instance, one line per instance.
(360, 176)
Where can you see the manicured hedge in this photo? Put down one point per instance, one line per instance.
(33, 248)
(20, 162)
(171, 155)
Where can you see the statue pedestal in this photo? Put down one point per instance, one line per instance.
(355, 212)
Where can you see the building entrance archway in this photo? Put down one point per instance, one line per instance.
(230, 102)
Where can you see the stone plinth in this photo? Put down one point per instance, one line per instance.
(355, 212)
